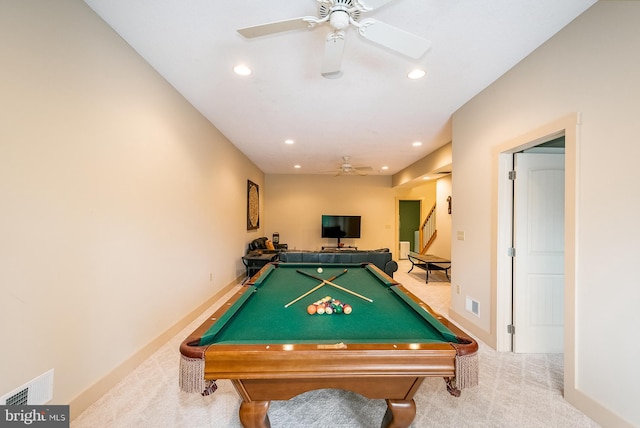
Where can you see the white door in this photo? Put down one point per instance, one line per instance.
(538, 288)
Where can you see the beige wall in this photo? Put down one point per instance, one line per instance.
(118, 199)
(437, 161)
(590, 68)
(295, 204)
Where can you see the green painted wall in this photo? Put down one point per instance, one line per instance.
(409, 221)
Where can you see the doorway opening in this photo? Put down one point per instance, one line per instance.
(530, 285)
(537, 253)
(567, 126)
(409, 212)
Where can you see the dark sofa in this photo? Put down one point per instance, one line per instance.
(260, 244)
(381, 258)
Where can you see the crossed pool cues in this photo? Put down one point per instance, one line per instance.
(322, 283)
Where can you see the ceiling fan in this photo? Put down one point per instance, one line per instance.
(345, 168)
(340, 14)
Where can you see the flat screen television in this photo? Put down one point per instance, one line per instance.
(341, 226)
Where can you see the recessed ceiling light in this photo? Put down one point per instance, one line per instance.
(289, 142)
(242, 70)
(297, 166)
(417, 144)
(384, 168)
(416, 74)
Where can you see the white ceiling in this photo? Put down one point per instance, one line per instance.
(373, 113)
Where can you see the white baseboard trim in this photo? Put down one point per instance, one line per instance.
(89, 396)
(464, 324)
(596, 411)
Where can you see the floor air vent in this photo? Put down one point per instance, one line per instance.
(36, 392)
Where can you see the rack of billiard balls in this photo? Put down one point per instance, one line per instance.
(329, 306)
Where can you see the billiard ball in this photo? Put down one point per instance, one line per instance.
(320, 310)
(319, 270)
(311, 309)
(347, 309)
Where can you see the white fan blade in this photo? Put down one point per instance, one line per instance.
(274, 27)
(333, 49)
(361, 170)
(394, 38)
(373, 4)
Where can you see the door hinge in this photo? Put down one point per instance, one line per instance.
(511, 252)
(512, 175)
(511, 329)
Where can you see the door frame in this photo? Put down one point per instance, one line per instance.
(400, 201)
(397, 220)
(502, 238)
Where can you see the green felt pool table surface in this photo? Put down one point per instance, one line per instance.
(262, 317)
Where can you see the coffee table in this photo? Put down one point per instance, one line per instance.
(429, 262)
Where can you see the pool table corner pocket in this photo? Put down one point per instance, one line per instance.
(191, 378)
(467, 370)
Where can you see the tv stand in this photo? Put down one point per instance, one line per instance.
(340, 246)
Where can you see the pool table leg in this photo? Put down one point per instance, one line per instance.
(451, 386)
(400, 413)
(253, 414)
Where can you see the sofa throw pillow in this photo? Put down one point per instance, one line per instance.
(270, 245)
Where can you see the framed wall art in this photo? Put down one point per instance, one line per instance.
(253, 205)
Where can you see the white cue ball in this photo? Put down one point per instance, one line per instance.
(319, 270)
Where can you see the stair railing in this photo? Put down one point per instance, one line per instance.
(428, 230)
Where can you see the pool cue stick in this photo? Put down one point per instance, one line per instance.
(305, 294)
(315, 288)
(336, 285)
(348, 291)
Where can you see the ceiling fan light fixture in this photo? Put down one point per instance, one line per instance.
(242, 70)
(339, 19)
(341, 14)
(416, 74)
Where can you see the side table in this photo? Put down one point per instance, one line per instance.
(256, 261)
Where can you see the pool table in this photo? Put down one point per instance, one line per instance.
(264, 341)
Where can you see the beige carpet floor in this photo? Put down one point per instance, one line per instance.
(515, 391)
